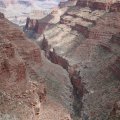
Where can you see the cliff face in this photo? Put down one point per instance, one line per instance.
(95, 55)
(24, 73)
(100, 5)
(20, 95)
(86, 44)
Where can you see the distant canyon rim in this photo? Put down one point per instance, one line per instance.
(18, 10)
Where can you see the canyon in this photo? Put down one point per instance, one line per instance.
(65, 66)
(23, 74)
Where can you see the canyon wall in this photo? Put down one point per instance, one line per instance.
(100, 5)
(31, 86)
(96, 56)
(20, 95)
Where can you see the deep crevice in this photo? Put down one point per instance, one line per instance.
(74, 75)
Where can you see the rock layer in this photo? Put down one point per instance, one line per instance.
(24, 73)
(96, 56)
(100, 4)
(17, 88)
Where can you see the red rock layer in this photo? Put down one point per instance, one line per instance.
(21, 96)
(101, 5)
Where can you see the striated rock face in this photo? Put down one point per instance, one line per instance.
(37, 26)
(24, 71)
(73, 29)
(100, 4)
(74, 76)
(86, 38)
(52, 56)
(20, 95)
(95, 56)
(77, 23)
(115, 7)
(56, 78)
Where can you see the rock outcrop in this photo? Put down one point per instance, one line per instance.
(96, 55)
(100, 4)
(33, 27)
(31, 87)
(52, 56)
(81, 71)
(17, 88)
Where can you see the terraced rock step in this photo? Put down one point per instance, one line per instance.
(100, 4)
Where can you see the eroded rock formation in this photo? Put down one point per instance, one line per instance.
(74, 76)
(96, 55)
(108, 5)
(17, 88)
(24, 73)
